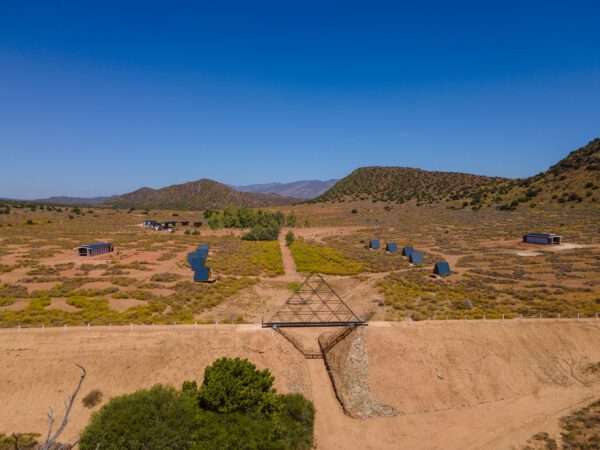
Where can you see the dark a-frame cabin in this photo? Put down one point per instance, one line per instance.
(314, 304)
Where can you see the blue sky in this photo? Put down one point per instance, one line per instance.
(100, 98)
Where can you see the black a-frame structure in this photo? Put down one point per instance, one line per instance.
(314, 304)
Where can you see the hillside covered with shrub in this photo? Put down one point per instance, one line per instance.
(574, 180)
(200, 195)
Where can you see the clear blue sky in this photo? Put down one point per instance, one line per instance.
(104, 97)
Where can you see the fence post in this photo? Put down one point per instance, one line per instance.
(195, 325)
(19, 328)
(540, 317)
(577, 316)
(558, 316)
(130, 326)
(65, 327)
(43, 328)
(521, 318)
(110, 326)
(88, 326)
(173, 325)
(502, 316)
(465, 318)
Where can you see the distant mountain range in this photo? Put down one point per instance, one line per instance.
(573, 180)
(74, 200)
(305, 189)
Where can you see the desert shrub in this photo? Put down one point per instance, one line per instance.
(159, 417)
(165, 277)
(93, 398)
(289, 238)
(21, 441)
(6, 301)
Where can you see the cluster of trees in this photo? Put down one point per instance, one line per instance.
(235, 407)
(264, 225)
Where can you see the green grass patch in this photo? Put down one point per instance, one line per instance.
(313, 258)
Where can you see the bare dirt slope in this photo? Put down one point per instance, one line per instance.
(484, 385)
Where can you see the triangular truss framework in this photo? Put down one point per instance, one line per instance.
(314, 304)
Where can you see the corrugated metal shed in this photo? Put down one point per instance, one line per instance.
(97, 248)
(406, 251)
(391, 247)
(542, 238)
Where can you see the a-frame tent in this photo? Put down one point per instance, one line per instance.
(314, 304)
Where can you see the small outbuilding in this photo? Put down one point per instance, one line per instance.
(197, 224)
(149, 223)
(542, 238)
(374, 244)
(391, 247)
(185, 223)
(406, 251)
(97, 248)
(416, 258)
(442, 268)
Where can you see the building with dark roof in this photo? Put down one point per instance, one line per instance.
(97, 248)
(542, 238)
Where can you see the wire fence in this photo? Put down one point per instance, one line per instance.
(131, 326)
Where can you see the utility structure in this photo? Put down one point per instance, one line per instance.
(97, 248)
(314, 304)
(542, 238)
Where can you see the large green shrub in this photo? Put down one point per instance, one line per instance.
(160, 417)
(236, 407)
(236, 385)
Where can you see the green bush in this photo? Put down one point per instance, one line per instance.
(235, 385)
(235, 408)
(159, 417)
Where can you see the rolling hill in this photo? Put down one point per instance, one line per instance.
(81, 201)
(402, 184)
(306, 189)
(574, 180)
(201, 194)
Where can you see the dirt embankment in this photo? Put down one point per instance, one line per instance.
(438, 366)
(458, 386)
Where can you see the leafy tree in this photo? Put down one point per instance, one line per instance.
(236, 385)
(289, 238)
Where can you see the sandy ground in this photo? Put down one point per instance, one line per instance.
(500, 382)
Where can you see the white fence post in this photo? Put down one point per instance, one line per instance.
(43, 328)
(19, 328)
(110, 326)
(130, 326)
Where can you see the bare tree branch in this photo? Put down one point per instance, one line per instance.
(51, 440)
